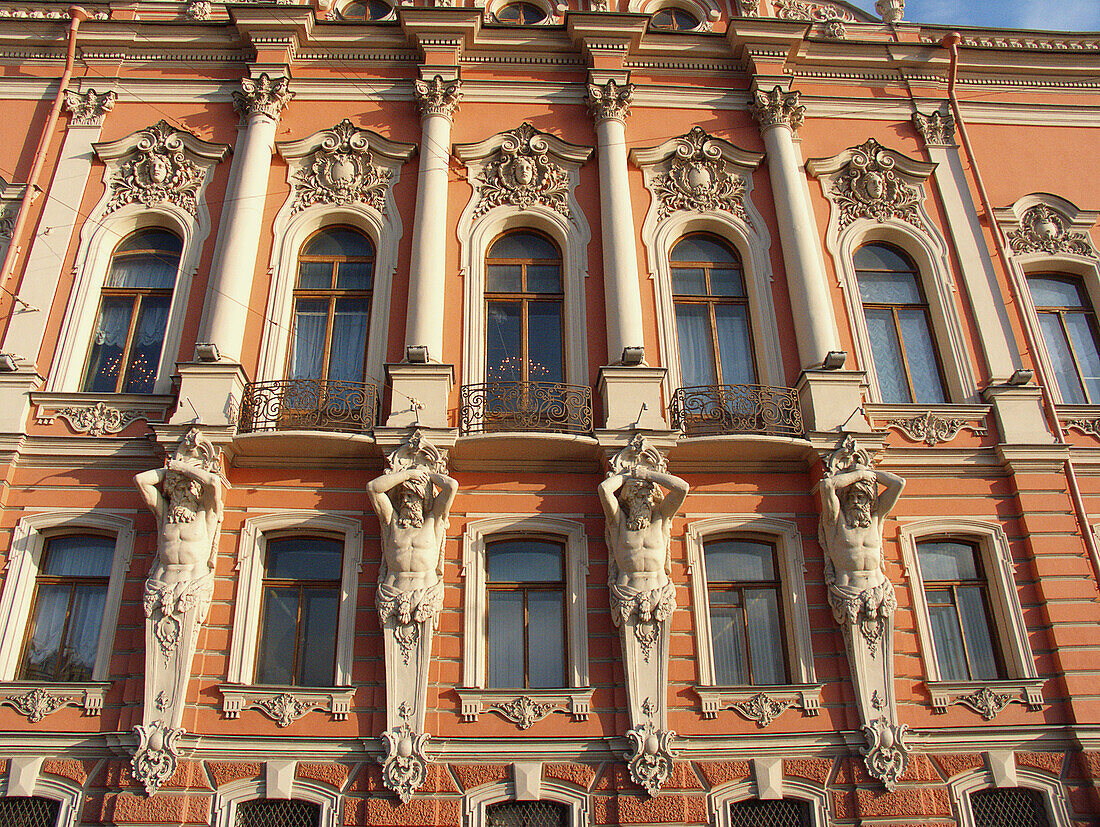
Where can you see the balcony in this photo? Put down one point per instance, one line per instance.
(712, 410)
(308, 405)
(545, 407)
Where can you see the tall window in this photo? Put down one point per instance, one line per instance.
(525, 580)
(783, 812)
(904, 352)
(1070, 332)
(527, 814)
(957, 594)
(266, 812)
(712, 313)
(523, 294)
(332, 306)
(745, 615)
(133, 314)
(68, 608)
(301, 595)
(1014, 806)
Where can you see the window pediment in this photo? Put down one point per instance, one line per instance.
(1044, 224)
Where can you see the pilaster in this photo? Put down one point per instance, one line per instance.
(420, 395)
(832, 400)
(1019, 412)
(632, 397)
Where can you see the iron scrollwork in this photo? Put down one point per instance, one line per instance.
(308, 404)
(737, 409)
(526, 406)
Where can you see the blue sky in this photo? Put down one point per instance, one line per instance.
(1059, 15)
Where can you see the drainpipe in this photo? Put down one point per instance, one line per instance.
(952, 42)
(77, 15)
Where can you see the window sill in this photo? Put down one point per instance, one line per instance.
(37, 699)
(930, 424)
(525, 707)
(762, 704)
(987, 698)
(286, 704)
(99, 414)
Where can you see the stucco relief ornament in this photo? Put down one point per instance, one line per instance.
(812, 12)
(158, 172)
(157, 755)
(404, 765)
(437, 97)
(891, 10)
(778, 108)
(697, 179)
(1042, 230)
(749, 8)
(932, 429)
(650, 756)
(36, 704)
(986, 702)
(886, 754)
(284, 709)
(523, 174)
(341, 171)
(98, 419)
(523, 711)
(89, 108)
(609, 100)
(262, 96)
(937, 129)
(870, 187)
(762, 708)
(199, 9)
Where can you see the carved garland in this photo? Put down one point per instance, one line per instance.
(522, 174)
(341, 171)
(157, 172)
(932, 429)
(524, 712)
(99, 419)
(870, 187)
(697, 179)
(761, 708)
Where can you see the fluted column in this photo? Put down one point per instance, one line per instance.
(610, 104)
(260, 102)
(780, 114)
(437, 100)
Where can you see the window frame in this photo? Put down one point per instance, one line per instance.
(17, 596)
(707, 12)
(278, 781)
(1053, 793)
(25, 778)
(251, 558)
(476, 801)
(815, 795)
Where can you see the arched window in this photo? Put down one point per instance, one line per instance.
(521, 14)
(1017, 806)
(133, 314)
(712, 313)
(906, 363)
(332, 306)
(358, 10)
(70, 592)
(301, 596)
(525, 608)
(1070, 333)
(527, 814)
(273, 812)
(673, 19)
(780, 812)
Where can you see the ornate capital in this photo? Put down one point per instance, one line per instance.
(891, 10)
(778, 108)
(88, 108)
(609, 100)
(936, 129)
(262, 96)
(438, 97)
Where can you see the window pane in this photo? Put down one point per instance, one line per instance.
(354, 275)
(17, 811)
(150, 272)
(504, 278)
(734, 344)
(310, 326)
(696, 348)
(886, 355)
(1061, 359)
(280, 622)
(339, 242)
(544, 342)
(45, 644)
(524, 245)
(739, 560)
(726, 282)
(78, 556)
(543, 278)
(881, 257)
(276, 813)
(304, 558)
(162, 241)
(689, 281)
(350, 321)
(317, 637)
(527, 814)
(765, 643)
(82, 637)
(1011, 807)
(141, 374)
(503, 348)
(315, 275)
(505, 647)
(782, 812)
(1081, 333)
(697, 248)
(523, 561)
(945, 560)
(921, 355)
(979, 641)
(950, 654)
(727, 625)
(1055, 292)
(108, 342)
(889, 288)
(546, 639)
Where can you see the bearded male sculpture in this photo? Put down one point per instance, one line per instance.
(186, 498)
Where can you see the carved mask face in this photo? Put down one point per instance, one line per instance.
(155, 168)
(410, 514)
(524, 171)
(857, 504)
(874, 185)
(183, 497)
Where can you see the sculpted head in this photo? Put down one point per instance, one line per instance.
(413, 495)
(858, 501)
(639, 497)
(183, 494)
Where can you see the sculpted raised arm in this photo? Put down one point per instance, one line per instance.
(148, 483)
(448, 488)
(677, 490)
(892, 486)
(607, 491)
(378, 488)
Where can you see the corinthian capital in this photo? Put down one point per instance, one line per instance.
(778, 108)
(891, 10)
(609, 100)
(89, 108)
(438, 97)
(936, 129)
(262, 96)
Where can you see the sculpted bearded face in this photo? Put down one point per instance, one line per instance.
(638, 497)
(857, 502)
(410, 514)
(183, 495)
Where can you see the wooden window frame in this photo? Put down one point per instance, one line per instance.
(1084, 309)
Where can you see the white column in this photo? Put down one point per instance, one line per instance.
(610, 104)
(437, 100)
(780, 114)
(234, 264)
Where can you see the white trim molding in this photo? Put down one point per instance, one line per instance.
(1053, 793)
(25, 778)
(501, 201)
(475, 621)
(721, 205)
(27, 545)
(128, 171)
(316, 200)
(251, 553)
(849, 180)
(228, 796)
(549, 789)
(1023, 684)
(815, 795)
(761, 704)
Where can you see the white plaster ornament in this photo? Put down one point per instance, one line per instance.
(870, 187)
(341, 171)
(158, 171)
(522, 174)
(697, 179)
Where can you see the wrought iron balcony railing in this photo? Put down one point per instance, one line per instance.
(308, 405)
(525, 406)
(706, 410)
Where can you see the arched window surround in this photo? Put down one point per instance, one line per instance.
(28, 543)
(707, 12)
(228, 796)
(719, 799)
(1053, 793)
(251, 553)
(29, 781)
(549, 789)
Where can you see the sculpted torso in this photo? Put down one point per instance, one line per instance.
(852, 527)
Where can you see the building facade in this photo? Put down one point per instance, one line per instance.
(654, 412)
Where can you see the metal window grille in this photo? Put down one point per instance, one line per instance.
(1013, 807)
(782, 812)
(28, 812)
(278, 813)
(527, 814)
